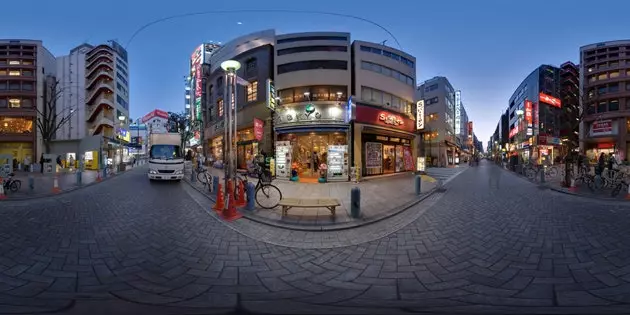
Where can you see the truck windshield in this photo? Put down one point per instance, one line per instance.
(165, 151)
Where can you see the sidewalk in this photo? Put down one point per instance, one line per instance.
(43, 183)
(581, 189)
(380, 198)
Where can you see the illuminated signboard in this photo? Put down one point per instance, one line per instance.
(547, 99)
(271, 95)
(390, 119)
(155, 113)
(458, 117)
(513, 132)
(349, 109)
(420, 115)
(529, 118)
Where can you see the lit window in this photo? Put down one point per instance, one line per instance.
(27, 62)
(614, 74)
(220, 107)
(14, 73)
(16, 125)
(15, 103)
(252, 91)
(602, 76)
(14, 62)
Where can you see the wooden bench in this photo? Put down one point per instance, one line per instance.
(288, 203)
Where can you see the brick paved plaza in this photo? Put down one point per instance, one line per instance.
(127, 246)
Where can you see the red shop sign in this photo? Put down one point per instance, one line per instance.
(548, 99)
(258, 129)
(528, 113)
(375, 116)
(513, 132)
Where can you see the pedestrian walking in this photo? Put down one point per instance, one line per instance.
(494, 179)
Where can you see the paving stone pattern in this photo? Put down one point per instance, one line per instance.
(492, 244)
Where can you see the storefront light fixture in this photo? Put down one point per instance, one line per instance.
(519, 112)
(230, 65)
(121, 118)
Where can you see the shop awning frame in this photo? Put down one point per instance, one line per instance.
(388, 132)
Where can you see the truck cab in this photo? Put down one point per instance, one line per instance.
(166, 161)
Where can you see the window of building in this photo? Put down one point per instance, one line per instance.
(431, 87)
(14, 86)
(15, 103)
(220, 107)
(312, 65)
(389, 54)
(27, 62)
(16, 125)
(303, 49)
(3, 85)
(3, 102)
(251, 65)
(315, 93)
(591, 93)
(27, 103)
(14, 62)
(310, 38)
(602, 76)
(27, 73)
(220, 82)
(613, 63)
(614, 74)
(27, 86)
(601, 90)
(601, 107)
(14, 73)
(432, 100)
(320, 93)
(385, 99)
(387, 72)
(613, 88)
(252, 91)
(613, 105)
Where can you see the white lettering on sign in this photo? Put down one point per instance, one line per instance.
(390, 119)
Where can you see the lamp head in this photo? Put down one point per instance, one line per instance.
(230, 64)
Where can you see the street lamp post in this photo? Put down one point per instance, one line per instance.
(230, 67)
(121, 119)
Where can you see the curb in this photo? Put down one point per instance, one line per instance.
(562, 191)
(328, 227)
(63, 192)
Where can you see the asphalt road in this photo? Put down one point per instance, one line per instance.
(491, 243)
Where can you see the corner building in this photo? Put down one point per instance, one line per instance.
(605, 86)
(313, 78)
(383, 125)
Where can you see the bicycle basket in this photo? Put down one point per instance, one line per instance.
(265, 177)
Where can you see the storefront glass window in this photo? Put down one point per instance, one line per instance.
(310, 150)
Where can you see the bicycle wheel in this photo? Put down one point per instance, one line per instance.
(616, 190)
(268, 196)
(15, 185)
(201, 177)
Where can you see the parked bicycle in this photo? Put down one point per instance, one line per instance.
(10, 184)
(267, 195)
(532, 171)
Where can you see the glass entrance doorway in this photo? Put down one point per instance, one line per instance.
(310, 150)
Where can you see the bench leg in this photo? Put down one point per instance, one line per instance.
(285, 210)
(332, 210)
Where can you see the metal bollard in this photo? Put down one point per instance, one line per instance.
(192, 175)
(355, 202)
(418, 181)
(215, 184)
(79, 178)
(31, 183)
(251, 193)
(542, 175)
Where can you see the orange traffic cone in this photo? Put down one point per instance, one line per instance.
(240, 202)
(56, 189)
(98, 176)
(220, 200)
(2, 195)
(230, 213)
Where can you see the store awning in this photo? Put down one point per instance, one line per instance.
(318, 128)
(387, 132)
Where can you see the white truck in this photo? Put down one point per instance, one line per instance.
(166, 161)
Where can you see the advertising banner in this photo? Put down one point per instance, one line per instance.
(548, 99)
(602, 128)
(258, 129)
(529, 114)
(420, 115)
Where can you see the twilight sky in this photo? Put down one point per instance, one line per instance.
(484, 47)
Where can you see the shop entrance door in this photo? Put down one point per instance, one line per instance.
(389, 159)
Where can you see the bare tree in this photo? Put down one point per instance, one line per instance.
(184, 125)
(48, 120)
